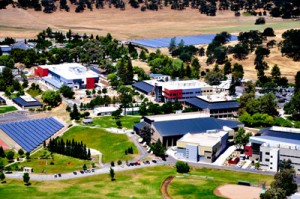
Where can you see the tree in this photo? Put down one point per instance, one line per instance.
(268, 32)
(227, 68)
(291, 44)
(74, 114)
(275, 73)
(2, 153)
(241, 138)
(2, 176)
(297, 82)
(112, 174)
(66, 91)
(273, 193)
(285, 164)
(51, 98)
(260, 20)
(10, 155)
(26, 178)
(159, 149)
(84, 167)
(238, 72)
(20, 152)
(284, 179)
(146, 133)
(172, 44)
(182, 167)
(1, 164)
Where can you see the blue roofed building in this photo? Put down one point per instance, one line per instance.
(143, 87)
(170, 128)
(216, 105)
(29, 134)
(275, 144)
(26, 102)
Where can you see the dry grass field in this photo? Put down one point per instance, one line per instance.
(134, 24)
(128, 24)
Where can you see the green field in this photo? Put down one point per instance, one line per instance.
(112, 146)
(139, 183)
(108, 121)
(34, 92)
(62, 163)
(5, 109)
(195, 186)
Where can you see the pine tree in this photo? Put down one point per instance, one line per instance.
(2, 153)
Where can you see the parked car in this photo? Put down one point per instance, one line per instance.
(75, 173)
(55, 176)
(154, 161)
(59, 175)
(82, 172)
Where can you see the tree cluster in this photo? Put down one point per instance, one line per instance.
(52, 98)
(291, 44)
(69, 148)
(67, 92)
(155, 109)
(182, 167)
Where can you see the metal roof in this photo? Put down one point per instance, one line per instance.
(21, 102)
(31, 133)
(277, 134)
(273, 140)
(202, 104)
(195, 125)
(54, 82)
(143, 87)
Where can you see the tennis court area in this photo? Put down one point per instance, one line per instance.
(188, 40)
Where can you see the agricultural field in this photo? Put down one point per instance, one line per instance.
(108, 121)
(138, 183)
(41, 163)
(5, 109)
(112, 146)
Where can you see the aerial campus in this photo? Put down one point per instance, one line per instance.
(150, 99)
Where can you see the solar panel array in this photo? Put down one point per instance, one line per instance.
(31, 133)
(188, 40)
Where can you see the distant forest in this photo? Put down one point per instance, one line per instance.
(276, 8)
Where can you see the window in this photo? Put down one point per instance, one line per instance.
(271, 156)
(208, 157)
(267, 160)
(271, 168)
(267, 153)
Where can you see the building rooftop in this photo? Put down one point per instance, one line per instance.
(204, 139)
(212, 103)
(26, 101)
(195, 125)
(143, 87)
(174, 116)
(275, 142)
(186, 84)
(280, 132)
(71, 71)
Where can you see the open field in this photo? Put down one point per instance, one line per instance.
(62, 163)
(139, 183)
(195, 186)
(108, 121)
(5, 109)
(34, 93)
(128, 24)
(112, 146)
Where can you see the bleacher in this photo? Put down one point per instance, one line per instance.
(30, 134)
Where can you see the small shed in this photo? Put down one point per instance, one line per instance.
(28, 170)
(88, 121)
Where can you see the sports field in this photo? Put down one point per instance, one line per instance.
(108, 121)
(139, 183)
(112, 146)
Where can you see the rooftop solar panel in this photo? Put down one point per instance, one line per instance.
(31, 133)
(188, 40)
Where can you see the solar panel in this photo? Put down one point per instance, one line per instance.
(31, 133)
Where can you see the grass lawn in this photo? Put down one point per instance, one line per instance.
(195, 186)
(112, 146)
(62, 163)
(139, 183)
(108, 121)
(34, 92)
(5, 109)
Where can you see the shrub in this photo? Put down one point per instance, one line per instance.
(182, 167)
(260, 20)
(112, 163)
(119, 162)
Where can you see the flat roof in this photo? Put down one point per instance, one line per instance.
(23, 103)
(275, 141)
(195, 125)
(176, 116)
(202, 103)
(203, 139)
(279, 134)
(71, 71)
(105, 109)
(186, 84)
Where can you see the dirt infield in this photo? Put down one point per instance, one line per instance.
(164, 187)
(232, 191)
